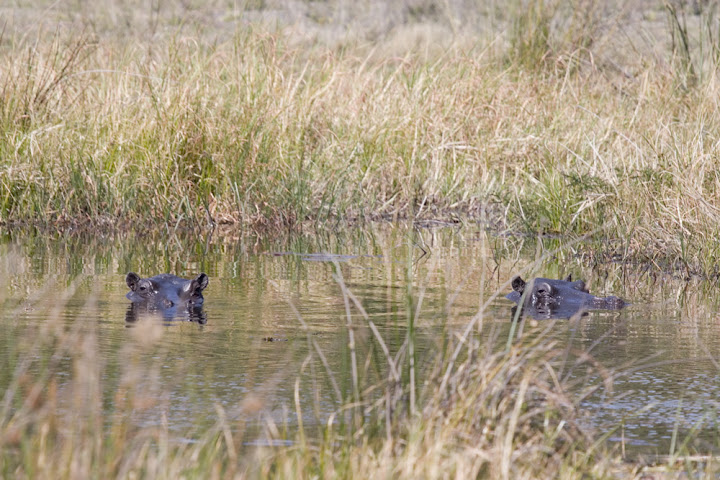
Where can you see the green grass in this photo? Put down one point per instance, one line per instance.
(270, 130)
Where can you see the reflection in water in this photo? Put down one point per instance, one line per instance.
(323, 257)
(665, 342)
(140, 310)
(550, 311)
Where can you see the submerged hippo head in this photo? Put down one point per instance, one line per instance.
(166, 290)
(550, 298)
(547, 290)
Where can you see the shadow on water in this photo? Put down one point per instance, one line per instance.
(665, 346)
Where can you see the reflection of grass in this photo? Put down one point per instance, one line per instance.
(480, 410)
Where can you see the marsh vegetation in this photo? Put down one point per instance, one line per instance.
(595, 122)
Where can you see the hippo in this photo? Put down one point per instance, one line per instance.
(550, 298)
(166, 293)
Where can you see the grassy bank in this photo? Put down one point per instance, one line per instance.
(529, 117)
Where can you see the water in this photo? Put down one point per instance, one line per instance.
(272, 304)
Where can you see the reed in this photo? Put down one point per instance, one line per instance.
(271, 130)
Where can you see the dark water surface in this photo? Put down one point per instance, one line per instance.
(269, 302)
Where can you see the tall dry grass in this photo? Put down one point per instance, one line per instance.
(545, 125)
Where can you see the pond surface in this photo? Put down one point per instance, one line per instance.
(271, 305)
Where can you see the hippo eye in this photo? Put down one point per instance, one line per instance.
(544, 290)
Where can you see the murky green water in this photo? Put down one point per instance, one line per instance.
(271, 304)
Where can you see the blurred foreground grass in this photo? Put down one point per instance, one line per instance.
(482, 407)
(480, 411)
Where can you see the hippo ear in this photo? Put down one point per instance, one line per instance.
(518, 284)
(201, 282)
(132, 280)
(568, 278)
